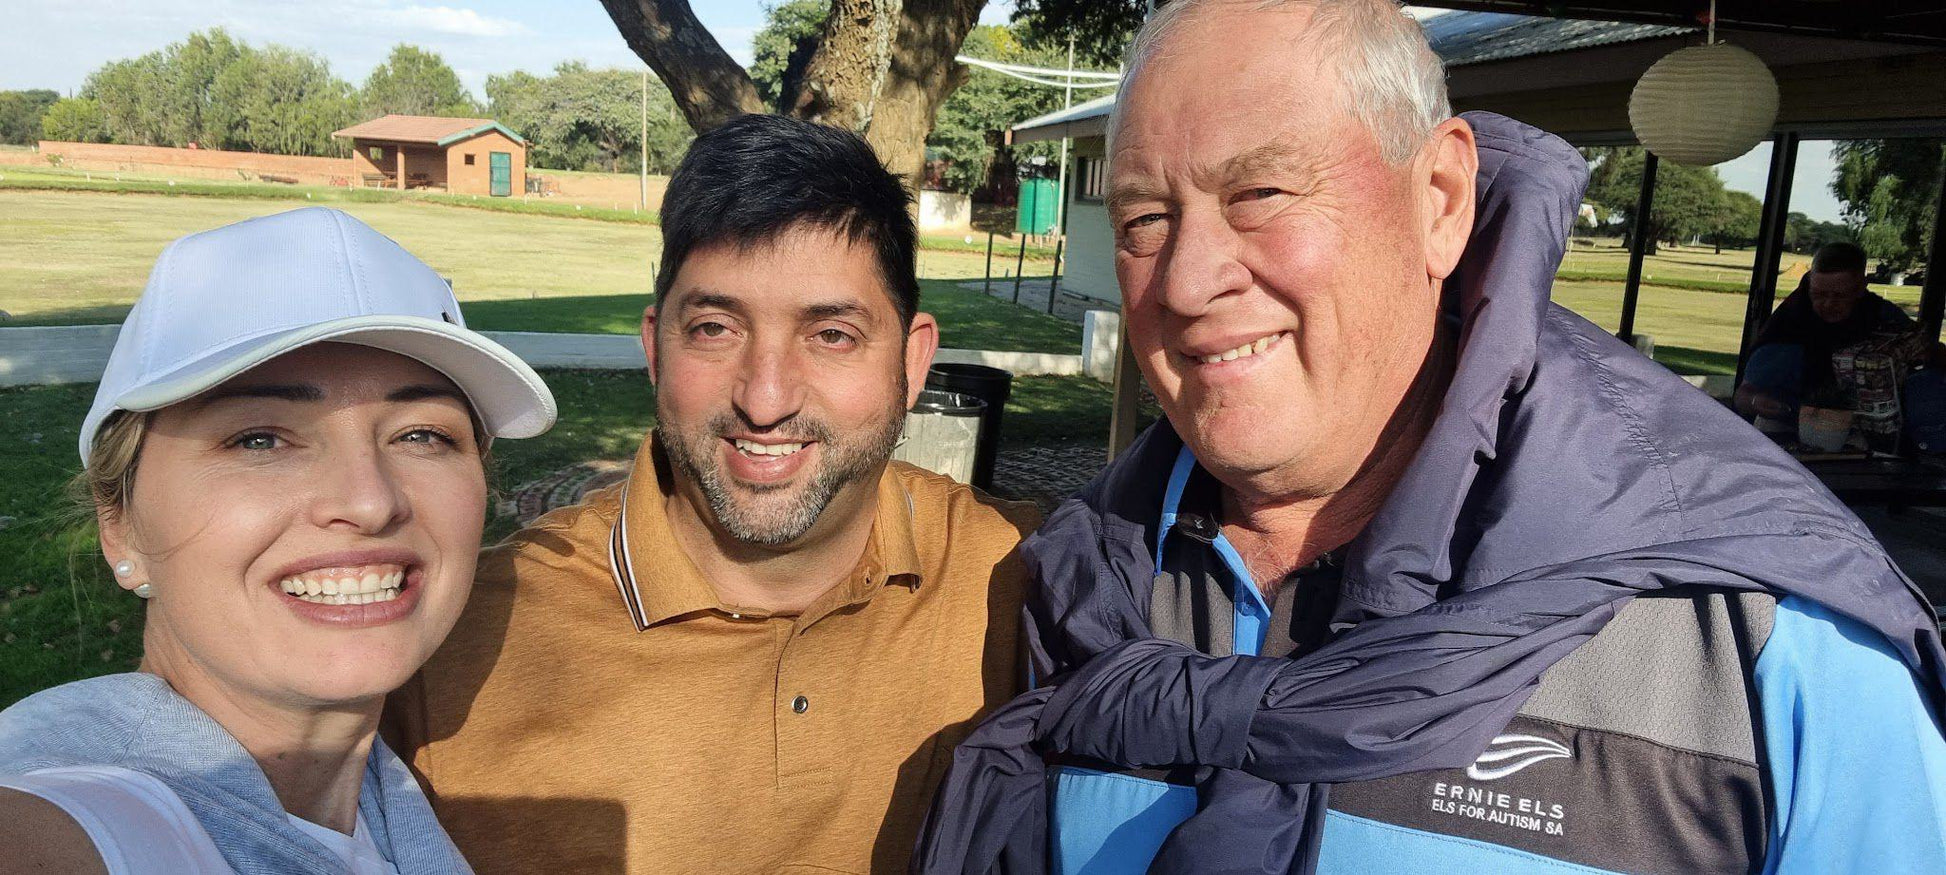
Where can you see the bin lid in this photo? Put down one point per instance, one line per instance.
(935, 401)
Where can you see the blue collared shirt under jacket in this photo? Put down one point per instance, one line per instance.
(1564, 476)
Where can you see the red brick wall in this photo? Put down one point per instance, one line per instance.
(208, 163)
(477, 178)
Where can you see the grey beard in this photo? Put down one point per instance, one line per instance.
(840, 464)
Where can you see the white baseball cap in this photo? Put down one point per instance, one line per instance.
(224, 301)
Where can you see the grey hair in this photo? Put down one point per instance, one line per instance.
(1394, 84)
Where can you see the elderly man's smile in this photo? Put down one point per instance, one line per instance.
(1227, 351)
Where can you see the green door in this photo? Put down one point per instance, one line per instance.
(503, 173)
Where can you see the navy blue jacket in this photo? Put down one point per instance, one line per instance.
(1564, 474)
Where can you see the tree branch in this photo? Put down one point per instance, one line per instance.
(709, 87)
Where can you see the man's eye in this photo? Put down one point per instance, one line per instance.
(255, 440)
(1145, 219)
(711, 329)
(1258, 193)
(833, 336)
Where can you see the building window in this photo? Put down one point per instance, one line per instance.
(469, 160)
(378, 153)
(1089, 178)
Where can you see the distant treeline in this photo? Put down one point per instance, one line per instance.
(216, 92)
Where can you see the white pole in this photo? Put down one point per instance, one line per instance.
(1061, 187)
(645, 140)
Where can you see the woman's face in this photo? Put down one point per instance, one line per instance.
(308, 528)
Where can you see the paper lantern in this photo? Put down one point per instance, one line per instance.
(1704, 105)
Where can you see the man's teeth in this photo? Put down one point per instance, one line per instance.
(1245, 351)
(375, 585)
(757, 449)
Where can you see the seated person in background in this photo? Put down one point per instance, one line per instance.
(1831, 309)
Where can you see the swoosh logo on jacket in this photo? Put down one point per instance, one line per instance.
(1511, 753)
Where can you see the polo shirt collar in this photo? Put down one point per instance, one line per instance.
(658, 582)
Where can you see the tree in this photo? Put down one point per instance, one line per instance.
(1739, 217)
(413, 81)
(20, 114)
(1101, 29)
(881, 67)
(1688, 200)
(164, 98)
(1802, 235)
(283, 101)
(782, 49)
(583, 119)
(74, 120)
(967, 132)
(1890, 190)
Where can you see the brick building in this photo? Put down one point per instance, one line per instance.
(459, 155)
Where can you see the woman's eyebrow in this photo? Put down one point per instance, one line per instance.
(303, 392)
(422, 391)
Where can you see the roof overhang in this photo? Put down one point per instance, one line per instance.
(1081, 120)
(452, 138)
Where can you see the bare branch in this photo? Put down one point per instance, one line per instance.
(708, 85)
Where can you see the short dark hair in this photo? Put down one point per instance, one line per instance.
(758, 176)
(1839, 257)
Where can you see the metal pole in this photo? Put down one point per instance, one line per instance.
(1638, 246)
(1932, 296)
(1019, 261)
(1054, 285)
(988, 287)
(645, 140)
(1061, 190)
(1770, 240)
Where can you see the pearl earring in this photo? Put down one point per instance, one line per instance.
(124, 568)
(143, 591)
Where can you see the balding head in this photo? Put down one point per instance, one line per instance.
(1287, 197)
(1387, 74)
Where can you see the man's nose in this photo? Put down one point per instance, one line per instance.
(771, 387)
(1202, 263)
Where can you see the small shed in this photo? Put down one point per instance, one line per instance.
(459, 155)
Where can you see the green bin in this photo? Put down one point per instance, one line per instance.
(1038, 199)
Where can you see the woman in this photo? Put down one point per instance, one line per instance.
(285, 459)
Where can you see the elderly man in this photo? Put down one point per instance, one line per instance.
(1422, 573)
(754, 654)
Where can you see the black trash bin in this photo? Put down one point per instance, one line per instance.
(991, 385)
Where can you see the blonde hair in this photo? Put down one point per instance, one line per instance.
(1395, 85)
(105, 483)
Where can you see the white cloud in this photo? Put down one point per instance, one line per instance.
(448, 20)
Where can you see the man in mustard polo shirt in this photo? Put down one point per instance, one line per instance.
(757, 653)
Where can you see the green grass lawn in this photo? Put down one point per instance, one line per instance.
(62, 618)
(77, 258)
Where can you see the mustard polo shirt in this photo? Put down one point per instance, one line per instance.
(599, 709)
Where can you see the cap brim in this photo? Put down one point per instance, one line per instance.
(511, 400)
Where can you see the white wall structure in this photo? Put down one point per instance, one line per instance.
(945, 211)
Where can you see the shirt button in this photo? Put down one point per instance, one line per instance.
(800, 704)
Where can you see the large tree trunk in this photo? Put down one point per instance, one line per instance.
(709, 86)
(883, 68)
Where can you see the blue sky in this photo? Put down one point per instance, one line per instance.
(56, 43)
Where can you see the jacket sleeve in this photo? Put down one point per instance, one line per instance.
(1856, 757)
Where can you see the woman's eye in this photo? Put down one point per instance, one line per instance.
(430, 437)
(256, 440)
